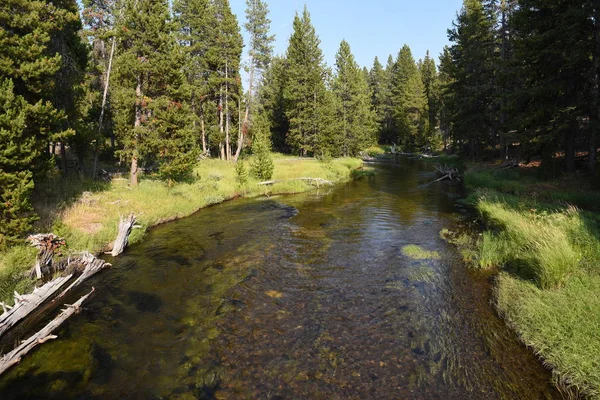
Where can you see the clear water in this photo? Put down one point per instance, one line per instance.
(307, 296)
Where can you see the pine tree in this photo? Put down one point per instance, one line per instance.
(553, 47)
(357, 120)
(194, 26)
(472, 76)
(429, 77)
(272, 101)
(224, 58)
(148, 78)
(262, 167)
(305, 89)
(388, 130)
(378, 86)
(261, 50)
(40, 65)
(409, 101)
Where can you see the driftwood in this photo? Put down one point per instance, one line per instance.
(47, 244)
(509, 164)
(125, 226)
(91, 266)
(318, 181)
(25, 304)
(45, 334)
(447, 173)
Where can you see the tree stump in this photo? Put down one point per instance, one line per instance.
(125, 226)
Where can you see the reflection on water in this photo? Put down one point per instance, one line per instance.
(321, 295)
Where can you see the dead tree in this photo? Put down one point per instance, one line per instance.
(126, 224)
(27, 303)
(45, 334)
(91, 265)
(447, 173)
(48, 245)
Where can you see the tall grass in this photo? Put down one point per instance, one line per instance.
(549, 255)
(90, 221)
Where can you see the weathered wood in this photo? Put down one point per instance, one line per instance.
(47, 244)
(42, 336)
(319, 181)
(91, 266)
(27, 303)
(125, 226)
(447, 173)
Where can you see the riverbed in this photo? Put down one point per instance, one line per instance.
(341, 293)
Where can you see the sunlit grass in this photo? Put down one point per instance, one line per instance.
(418, 253)
(561, 326)
(549, 255)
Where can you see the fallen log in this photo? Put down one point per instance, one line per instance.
(125, 226)
(26, 304)
(91, 266)
(509, 164)
(42, 336)
(317, 180)
(447, 173)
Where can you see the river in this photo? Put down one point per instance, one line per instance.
(322, 295)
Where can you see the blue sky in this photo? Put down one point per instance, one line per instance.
(373, 28)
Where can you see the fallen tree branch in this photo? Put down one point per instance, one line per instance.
(45, 334)
(317, 180)
(26, 304)
(91, 266)
(447, 173)
(125, 226)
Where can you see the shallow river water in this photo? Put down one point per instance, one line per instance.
(314, 296)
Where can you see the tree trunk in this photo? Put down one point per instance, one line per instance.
(202, 129)
(595, 114)
(63, 156)
(244, 128)
(221, 122)
(570, 150)
(133, 174)
(103, 108)
(227, 116)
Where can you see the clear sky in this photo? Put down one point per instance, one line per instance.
(373, 28)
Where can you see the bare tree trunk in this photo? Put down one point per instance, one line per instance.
(570, 149)
(244, 128)
(63, 156)
(595, 114)
(133, 174)
(227, 116)
(202, 129)
(104, 97)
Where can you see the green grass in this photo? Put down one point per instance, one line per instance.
(89, 221)
(561, 326)
(418, 253)
(544, 238)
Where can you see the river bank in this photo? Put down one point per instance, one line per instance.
(543, 238)
(90, 221)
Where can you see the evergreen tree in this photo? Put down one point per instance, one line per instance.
(194, 24)
(305, 89)
(472, 76)
(272, 101)
(553, 46)
(409, 101)
(357, 120)
(378, 86)
(148, 78)
(429, 77)
(262, 167)
(261, 50)
(388, 130)
(41, 60)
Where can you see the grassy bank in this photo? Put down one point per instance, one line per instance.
(544, 238)
(88, 219)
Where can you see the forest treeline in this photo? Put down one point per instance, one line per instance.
(155, 85)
